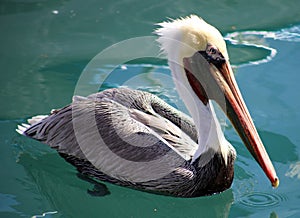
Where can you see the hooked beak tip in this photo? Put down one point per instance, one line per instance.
(275, 183)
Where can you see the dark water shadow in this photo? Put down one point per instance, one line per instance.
(280, 147)
(59, 186)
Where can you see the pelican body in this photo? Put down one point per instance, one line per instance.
(133, 138)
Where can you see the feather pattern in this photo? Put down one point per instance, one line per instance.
(135, 139)
(127, 137)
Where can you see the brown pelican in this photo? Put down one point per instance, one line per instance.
(134, 139)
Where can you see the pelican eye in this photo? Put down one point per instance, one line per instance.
(212, 50)
(213, 55)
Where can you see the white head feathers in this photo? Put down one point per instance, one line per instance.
(187, 35)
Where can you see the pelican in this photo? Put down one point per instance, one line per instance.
(134, 139)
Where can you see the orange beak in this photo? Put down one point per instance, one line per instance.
(220, 85)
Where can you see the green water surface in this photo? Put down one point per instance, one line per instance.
(44, 47)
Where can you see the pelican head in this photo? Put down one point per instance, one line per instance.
(199, 61)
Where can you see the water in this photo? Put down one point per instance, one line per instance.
(45, 45)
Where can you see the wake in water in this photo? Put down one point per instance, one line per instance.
(258, 39)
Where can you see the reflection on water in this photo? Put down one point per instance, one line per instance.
(294, 170)
(273, 215)
(40, 67)
(276, 142)
(8, 202)
(56, 181)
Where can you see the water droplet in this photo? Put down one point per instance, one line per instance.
(123, 67)
(55, 12)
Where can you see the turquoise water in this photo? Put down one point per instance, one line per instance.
(45, 45)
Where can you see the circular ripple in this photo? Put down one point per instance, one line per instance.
(259, 199)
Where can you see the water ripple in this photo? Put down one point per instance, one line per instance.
(258, 39)
(46, 214)
(260, 199)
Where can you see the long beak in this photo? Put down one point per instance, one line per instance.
(221, 86)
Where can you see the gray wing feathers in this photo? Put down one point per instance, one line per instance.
(181, 120)
(56, 130)
(177, 139)
(150, 104)
(124, 133)
(171, 124)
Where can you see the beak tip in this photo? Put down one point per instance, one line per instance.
(275, 183)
